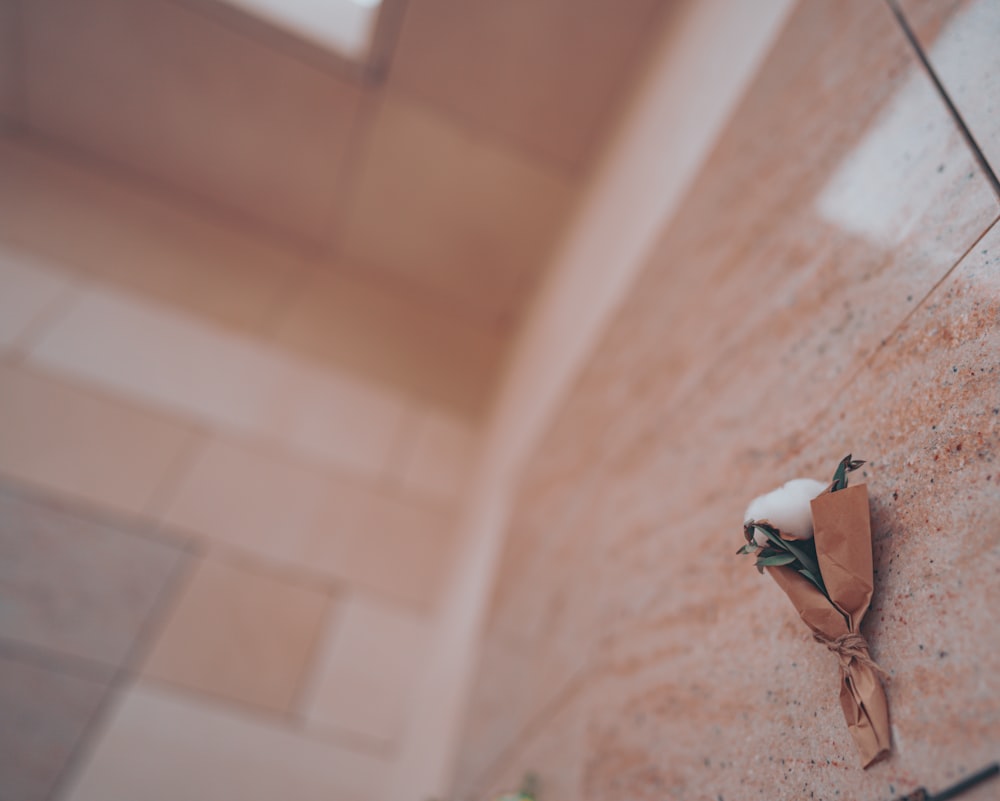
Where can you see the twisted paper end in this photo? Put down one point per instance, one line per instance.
(851, 647)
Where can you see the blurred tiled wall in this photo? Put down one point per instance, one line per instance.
(830, 285)
(219, 557)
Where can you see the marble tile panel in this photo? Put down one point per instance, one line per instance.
(365, 676)
(64, 437)
(45, 716)
(240, 634)
(238, 383)
(161, 746)
(76, 586)
(959, 38)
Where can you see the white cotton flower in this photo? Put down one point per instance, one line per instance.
(787, 509)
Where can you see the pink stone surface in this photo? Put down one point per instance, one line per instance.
(830, 286)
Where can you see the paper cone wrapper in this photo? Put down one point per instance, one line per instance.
(842, 529)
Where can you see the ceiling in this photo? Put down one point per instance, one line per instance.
(448, 174)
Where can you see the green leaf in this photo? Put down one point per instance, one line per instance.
(840, 476)
(804, 557)
(847, 465)
(776, 541)
(768, 532)
(748, 548)
(775, 561)
(813, 578)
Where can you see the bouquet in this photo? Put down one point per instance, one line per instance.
(815, 542)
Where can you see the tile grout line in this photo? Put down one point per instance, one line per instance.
(400, 454)
(567, 170)
(227, 217)
(348, 176)
(970, 140)
(55, 660)
(569, 174)
(388, 30)
(335, 737)
(166, 489)
(307, 682)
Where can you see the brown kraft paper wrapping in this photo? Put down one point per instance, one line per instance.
(844, 550)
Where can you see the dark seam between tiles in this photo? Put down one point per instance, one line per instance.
(84, 510)
(56, 661)
(970, 140)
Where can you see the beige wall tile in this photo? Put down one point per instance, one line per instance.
(175, 362)
(453, 213)
(404, 552)
(242, 635)
(28, 290)
(438, 461)
(340, 421)
(61, 436)
(119, 232)
(364, 678)
(545, 77)
(160, 746)
(274, 505)
(172, 94)
(396, 334)
(271, 505)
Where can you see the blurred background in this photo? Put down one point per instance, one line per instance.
(370, 373)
